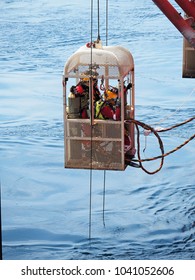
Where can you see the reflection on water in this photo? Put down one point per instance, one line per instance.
(45, 207)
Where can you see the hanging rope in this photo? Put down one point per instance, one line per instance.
(177, 110)
(98, 39)
(106, 22)
(91, 152)
(147, 132)
(176, 125)
(104, 198)
(98, 7)
(163, 155)
(91, 45)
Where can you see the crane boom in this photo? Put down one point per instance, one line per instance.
(183, 25)
(186, 26)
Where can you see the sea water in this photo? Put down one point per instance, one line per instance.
(45, 208)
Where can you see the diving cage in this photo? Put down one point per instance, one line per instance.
(93, 143)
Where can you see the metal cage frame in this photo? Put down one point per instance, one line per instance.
(93, 143)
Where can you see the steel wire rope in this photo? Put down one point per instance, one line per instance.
(170, 115)
(91, 114)
(104, 199)
(177, 110)
(98, 8)
(176, 125)
(91, 125)
(91, 104)
(104, 186)
(169, 128)
(106, 22)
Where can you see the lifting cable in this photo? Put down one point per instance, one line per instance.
(163, 155)
(104, 187)
(98, 8)
(176, 125)
(91, 127)
(178, 109)
(106, 22)
(104, 199)
(91, 105)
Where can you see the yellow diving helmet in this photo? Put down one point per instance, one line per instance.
(85, 79)
(109, 94)
(85, 76)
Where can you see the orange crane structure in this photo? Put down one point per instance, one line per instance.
(186, 26)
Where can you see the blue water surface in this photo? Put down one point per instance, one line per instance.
(45, 208)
